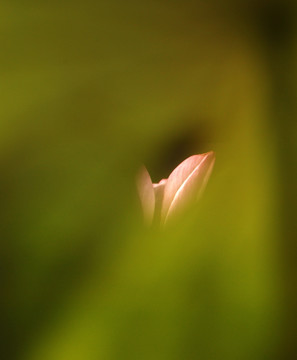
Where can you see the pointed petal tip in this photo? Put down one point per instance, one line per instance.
(208, 160)
(196, 159)
(210, 153)
(187, 182)
(210, 157)
(146, 194)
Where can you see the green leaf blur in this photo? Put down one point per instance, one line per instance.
(92, 90)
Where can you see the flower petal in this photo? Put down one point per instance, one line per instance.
(146, 194)
(186, 183)
(159, 194)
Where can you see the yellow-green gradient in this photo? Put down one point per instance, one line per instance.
(90, 91)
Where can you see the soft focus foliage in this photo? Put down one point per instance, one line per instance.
(89, 91)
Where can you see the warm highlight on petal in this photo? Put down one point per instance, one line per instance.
(186, 183)
(146, 194)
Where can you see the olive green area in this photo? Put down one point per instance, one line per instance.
(90, 91)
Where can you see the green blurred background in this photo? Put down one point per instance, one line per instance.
(89, 91)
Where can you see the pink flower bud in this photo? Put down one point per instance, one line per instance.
(183, 187)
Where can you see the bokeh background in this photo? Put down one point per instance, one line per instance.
(89, 92)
